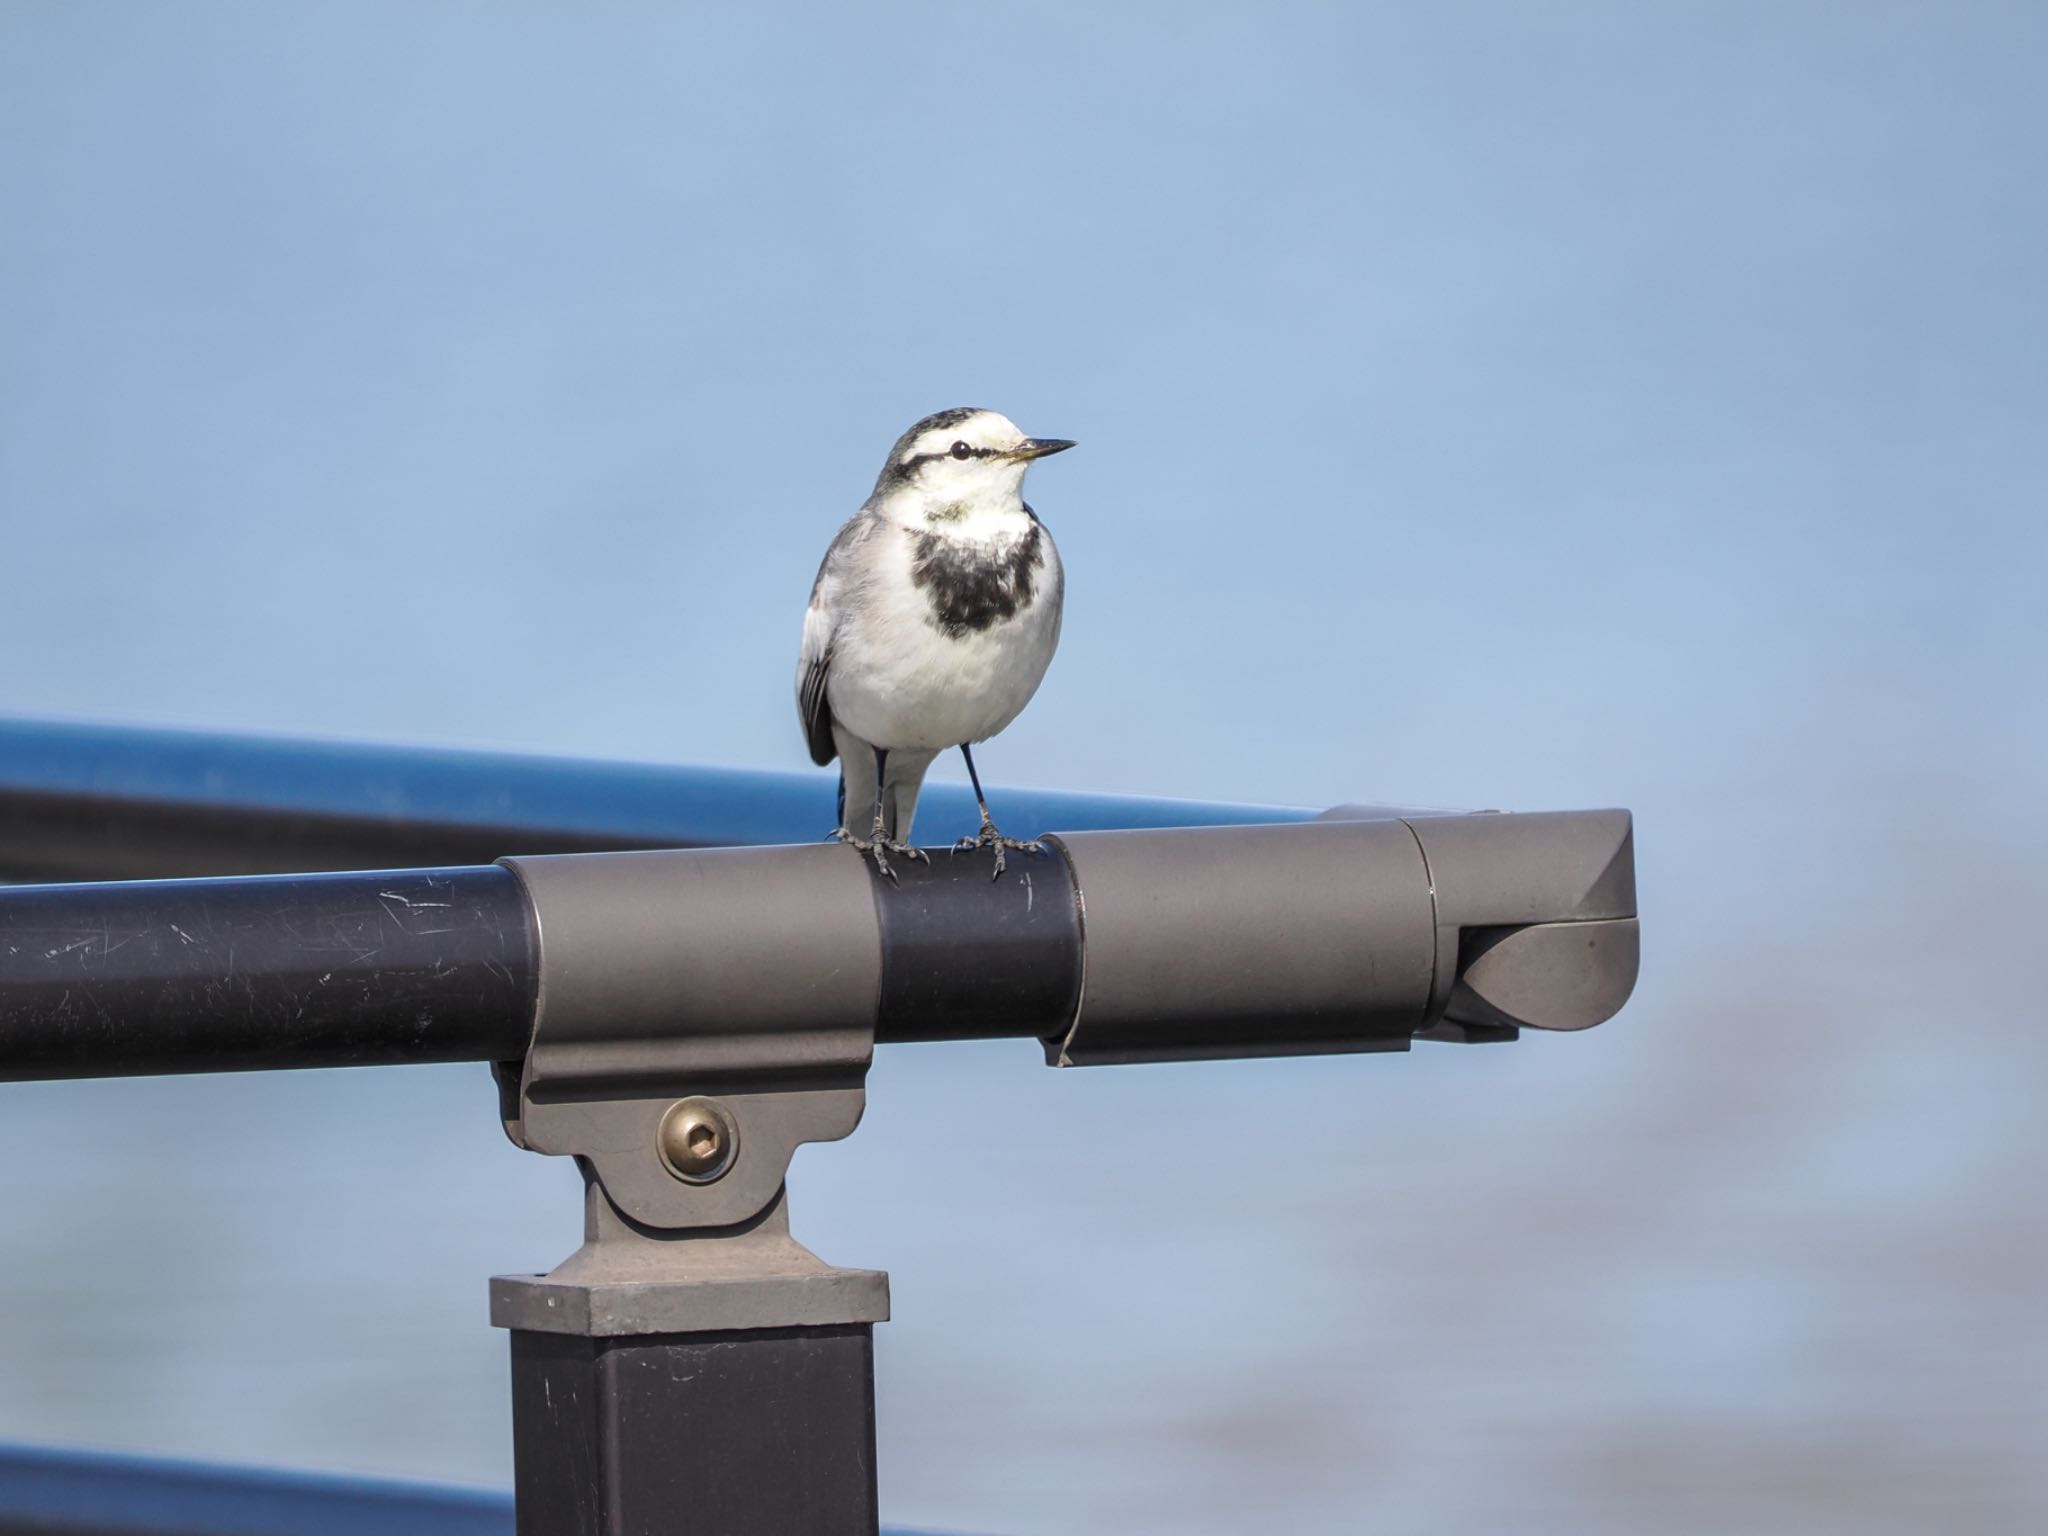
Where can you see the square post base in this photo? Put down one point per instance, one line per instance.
(692, 1384)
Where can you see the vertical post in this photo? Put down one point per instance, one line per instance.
(665, 1384)
(757, 1432)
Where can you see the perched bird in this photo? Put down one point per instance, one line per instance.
(931, 622)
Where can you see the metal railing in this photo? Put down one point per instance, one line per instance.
(61, 1491)
(97, 802)
(47, 1491)
(680, 1018)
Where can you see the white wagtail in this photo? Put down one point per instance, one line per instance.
(931, 622)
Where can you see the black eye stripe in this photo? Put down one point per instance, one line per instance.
(932, 458)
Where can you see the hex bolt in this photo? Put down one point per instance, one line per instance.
(698, 1140)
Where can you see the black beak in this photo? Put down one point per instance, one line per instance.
(1039, 447)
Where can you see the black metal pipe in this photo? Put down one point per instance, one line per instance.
(1160, 945)
(965, 957)
(259, 972)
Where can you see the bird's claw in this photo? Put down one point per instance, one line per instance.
(878, 848)
(989, 837)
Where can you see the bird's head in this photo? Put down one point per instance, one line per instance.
(963, 457)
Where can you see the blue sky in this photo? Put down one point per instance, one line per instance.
(1575, 377)
(1478, 405)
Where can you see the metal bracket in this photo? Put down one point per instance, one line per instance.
(681, 1059)
(628, 1138)
(676, 1051)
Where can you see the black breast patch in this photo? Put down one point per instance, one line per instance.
(971, 589)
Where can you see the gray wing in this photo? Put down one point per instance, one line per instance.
(821, 628)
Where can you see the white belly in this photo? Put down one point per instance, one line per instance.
(899, 680)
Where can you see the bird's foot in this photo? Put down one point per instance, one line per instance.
(878, 848)
(989, 837)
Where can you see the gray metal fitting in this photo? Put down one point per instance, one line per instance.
(752, 984)
(668, 976)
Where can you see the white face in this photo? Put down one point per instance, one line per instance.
(966, 459)
(991, 467)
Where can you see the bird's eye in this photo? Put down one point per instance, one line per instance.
(962, 451)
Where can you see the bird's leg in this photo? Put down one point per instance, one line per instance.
(839, 834)
(988, 836)
(884, 843)
(878, 836)
(878, 844)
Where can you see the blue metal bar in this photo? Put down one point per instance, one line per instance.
(53, 1492)
(91, 1493)
(84, 801)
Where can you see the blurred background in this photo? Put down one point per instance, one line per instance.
(1480, 405)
